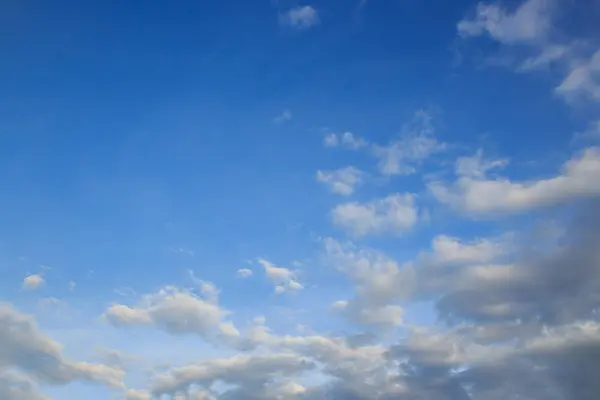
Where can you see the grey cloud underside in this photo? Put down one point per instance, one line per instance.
(519, 322)
(28, 357)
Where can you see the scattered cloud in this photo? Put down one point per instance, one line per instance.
(393, 214)
(583, 79)
(342, 181)
(244, 273)
(532, 28)
(33, 282)
(285, 116)
(592, 133)
(285, 280)
(346, 140)
(36, 357)
(416, 143)
(301, 17)
(176, 311)
(479, 194)
(529, 22)
(182, 251)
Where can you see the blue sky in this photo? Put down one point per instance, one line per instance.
(199, 184)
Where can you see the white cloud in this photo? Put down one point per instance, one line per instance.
(72, 286)
(476, 166)
(482, 195)
(240, 370)
(25, 348)
(393, 214)
(416, 143)
(532, 26)
(342, 181)
(451, 250)
(32, 282)
(331, 140)
(244, 273)
(176, 311)
(529, 22)
(591, 133)
(583, 79)
(17, 386)
(135, 394)
(347, 140)
(284, 279)
(285, 116)
(301, 17)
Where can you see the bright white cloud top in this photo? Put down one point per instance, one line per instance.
(425, 225)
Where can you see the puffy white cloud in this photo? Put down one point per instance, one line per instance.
(301, 17)
(530, 21)
(244, 273)
(177, 311)
(451, 250)
(342, 181)
(393, 214)
(284, 279)
(32, 282)
(482, 195)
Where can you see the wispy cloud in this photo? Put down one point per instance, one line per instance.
(301, 17)
(342, 181)
(285, 116)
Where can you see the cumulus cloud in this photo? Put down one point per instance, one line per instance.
(177, 311)
(342, 181)
(301, 17)
(247, 373)
(482, 195)
(17, 386)
(284, 279)
(530, 21)
(28, 356)
(32, 282)
(393, 214)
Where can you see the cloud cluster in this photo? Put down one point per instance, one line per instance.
(531, 28)
(27, 357)
(177, 311)
(393, 214)
(284, 279)
(342, 181)
(475, 192)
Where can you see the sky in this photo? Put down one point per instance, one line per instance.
(273, 199)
